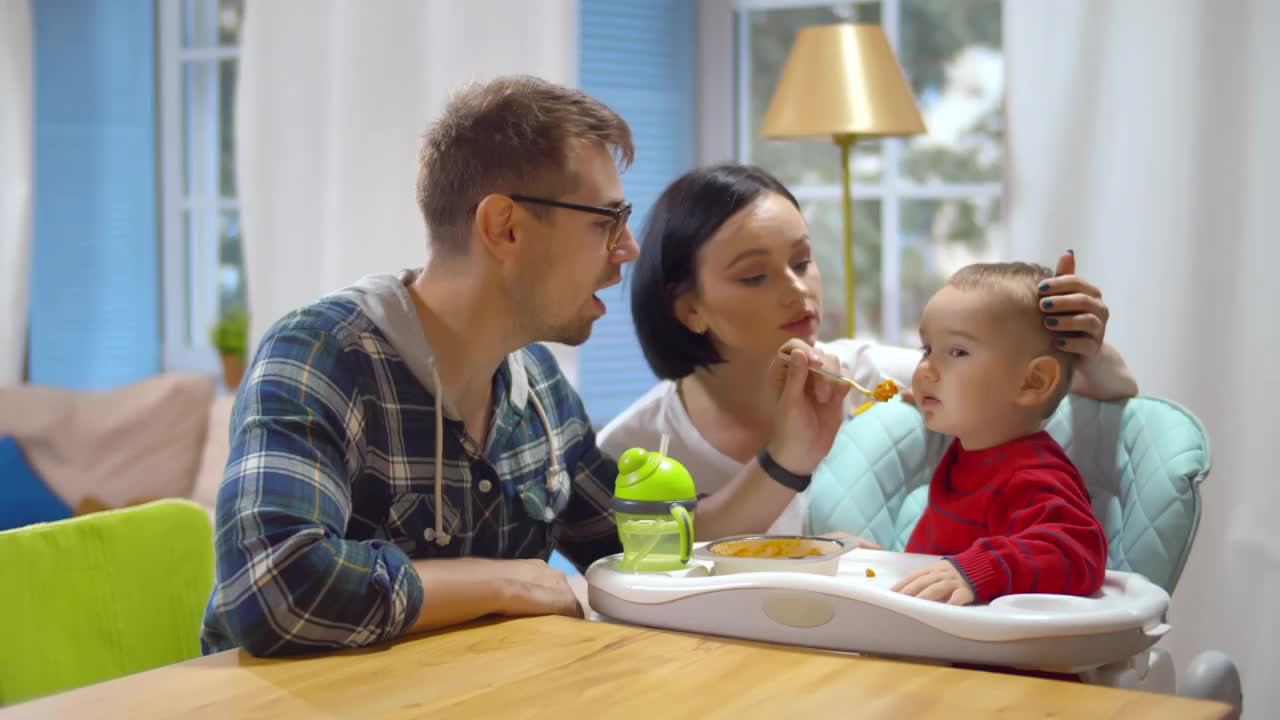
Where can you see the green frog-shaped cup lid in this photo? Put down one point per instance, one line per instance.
(648, 476)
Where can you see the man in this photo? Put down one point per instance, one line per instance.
(403, 456)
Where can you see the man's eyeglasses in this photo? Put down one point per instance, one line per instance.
(619, 214)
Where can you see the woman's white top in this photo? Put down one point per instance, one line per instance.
(660, 411)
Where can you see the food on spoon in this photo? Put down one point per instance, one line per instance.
(885, 391)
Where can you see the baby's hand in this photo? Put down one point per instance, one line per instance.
(940, 581)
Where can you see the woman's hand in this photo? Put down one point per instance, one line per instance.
(1073, 309)
(1076, 314)
(808, 410)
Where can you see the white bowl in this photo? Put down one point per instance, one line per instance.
(828, 563)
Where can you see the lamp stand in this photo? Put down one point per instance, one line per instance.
(846, 151)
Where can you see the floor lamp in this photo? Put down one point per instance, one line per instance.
(842, 82)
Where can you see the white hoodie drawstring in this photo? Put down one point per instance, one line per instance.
(556, 476)
(441, 538)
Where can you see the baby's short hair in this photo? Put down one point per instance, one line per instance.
(1018, 283)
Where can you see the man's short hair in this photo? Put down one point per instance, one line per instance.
(514, 134)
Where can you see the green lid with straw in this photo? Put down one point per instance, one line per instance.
(651, 476)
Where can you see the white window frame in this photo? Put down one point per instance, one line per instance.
(892, 188)
(189, 280)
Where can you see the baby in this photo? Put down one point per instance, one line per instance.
(1007, 509)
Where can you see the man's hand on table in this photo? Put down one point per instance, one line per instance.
(535, 588)
(458, 590)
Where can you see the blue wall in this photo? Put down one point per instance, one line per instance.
(95, 255)
(638, 58)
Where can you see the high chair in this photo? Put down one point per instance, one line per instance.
(1142, 460)
(102, 595)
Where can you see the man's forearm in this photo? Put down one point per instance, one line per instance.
(748, 504)
(457, 590)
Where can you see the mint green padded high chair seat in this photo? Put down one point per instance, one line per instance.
(1143, 461)
(103, 595)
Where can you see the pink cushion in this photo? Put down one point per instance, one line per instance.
(137, 441)
(217, 445)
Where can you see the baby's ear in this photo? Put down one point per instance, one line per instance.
(1039, 381)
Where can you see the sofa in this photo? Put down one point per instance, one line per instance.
(163, 436)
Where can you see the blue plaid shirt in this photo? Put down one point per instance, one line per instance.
(329, 488)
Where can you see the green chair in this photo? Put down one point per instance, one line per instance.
(100, 596)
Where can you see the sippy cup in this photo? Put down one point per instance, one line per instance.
(653, 503)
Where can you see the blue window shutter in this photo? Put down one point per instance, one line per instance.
(637, 57)
(94, 258)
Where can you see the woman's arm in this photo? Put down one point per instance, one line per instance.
(1104, 376)
(808, 412)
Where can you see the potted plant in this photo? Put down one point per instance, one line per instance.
(230, 337)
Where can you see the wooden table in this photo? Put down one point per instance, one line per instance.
(554, 667)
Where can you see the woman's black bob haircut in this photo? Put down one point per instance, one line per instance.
(685, 216)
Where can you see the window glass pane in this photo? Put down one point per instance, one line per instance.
(799, 162)
(826, 230)
(201, 248)
(197, 23)
(951, 51)
(230, 15)
(937, 238)
(226, 128)
(231, 290)
(185, 329)
(200, 125)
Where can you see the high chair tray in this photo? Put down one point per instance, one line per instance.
(853, 612)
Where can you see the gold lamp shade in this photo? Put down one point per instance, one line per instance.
(842, 80)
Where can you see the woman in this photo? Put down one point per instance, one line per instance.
(726, 277)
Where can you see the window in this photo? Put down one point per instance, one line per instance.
(203, 274)
(636, 57)
(923, 206)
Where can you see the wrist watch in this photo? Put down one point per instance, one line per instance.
(783, 476)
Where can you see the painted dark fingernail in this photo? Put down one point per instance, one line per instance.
(1071, 252)
(1044, 287)
(1062, 343)
(1047, 303)
(1051, 322)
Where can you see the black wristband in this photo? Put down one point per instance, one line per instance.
(783, 476)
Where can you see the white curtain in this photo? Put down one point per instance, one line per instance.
(1146, 135)
(333, 98)
(16, 140)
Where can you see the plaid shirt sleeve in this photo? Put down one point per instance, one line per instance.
(287, 581)
(585, 530)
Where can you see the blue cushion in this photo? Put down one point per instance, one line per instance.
(24, 498)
